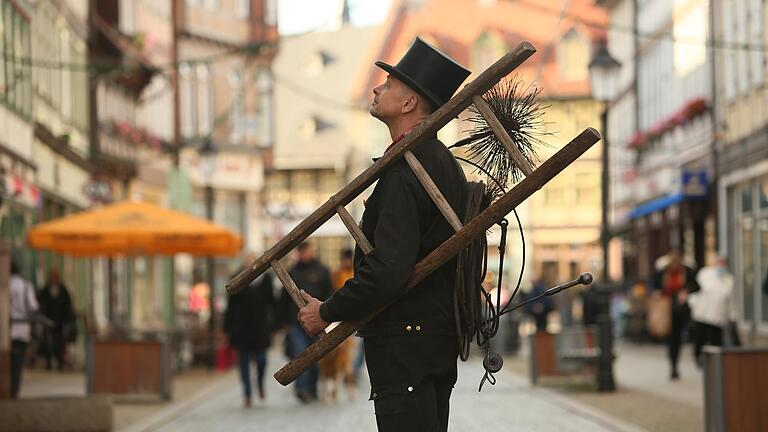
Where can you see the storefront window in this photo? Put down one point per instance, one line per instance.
(764, 268)
(763, 191)
(746, 199)
(747, 269)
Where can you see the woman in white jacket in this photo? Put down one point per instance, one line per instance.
(713, 306)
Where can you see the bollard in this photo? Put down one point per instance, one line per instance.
(605, 382)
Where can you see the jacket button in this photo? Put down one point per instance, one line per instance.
(375, 395)
(410, 389)
(408, 328)
(418, 328)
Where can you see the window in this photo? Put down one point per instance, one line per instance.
(79, 83)
(329, 182)
(3, 82)
(587, 186)
(763, 188)
(690, 32)
(238, 105)
(242, 9)
(270, 12)
(729, 55)
(742, 58)
(573, 56)
(17, 74)
(554, 195)
(757, 31)
(304, 186)
(264, 121)
(205, 98)
(746, 199)
(188, 101)
(127, 16)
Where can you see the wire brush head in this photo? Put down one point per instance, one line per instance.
(519, 112)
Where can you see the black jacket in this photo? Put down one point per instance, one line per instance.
(404, 226)
(251, 315)
(58, 309)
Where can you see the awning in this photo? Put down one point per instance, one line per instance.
(660, 204)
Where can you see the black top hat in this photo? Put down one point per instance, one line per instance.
(428, 71)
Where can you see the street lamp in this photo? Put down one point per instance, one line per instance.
(207, 168)
(603, 77)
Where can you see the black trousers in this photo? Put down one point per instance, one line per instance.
(18, 355)
(424, 409)
(705, 334)
(680, 319)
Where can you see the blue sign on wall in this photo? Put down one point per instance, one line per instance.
(695, 183)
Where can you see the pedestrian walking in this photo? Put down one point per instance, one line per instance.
(712, 307)
(676, 281)
(411, 348)
(249, 321)
(314, 279)
(539, 310)
(56, 305)
(23, 308)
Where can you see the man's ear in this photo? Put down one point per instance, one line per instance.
(410, 103)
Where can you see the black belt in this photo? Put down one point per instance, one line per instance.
(407, 328)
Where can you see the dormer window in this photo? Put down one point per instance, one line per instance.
(313, 125)
(316, 63)
(573, 56)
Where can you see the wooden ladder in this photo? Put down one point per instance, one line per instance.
(470, 94)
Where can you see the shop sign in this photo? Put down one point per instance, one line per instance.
(21, 191)
(695, 183)
(98, 190)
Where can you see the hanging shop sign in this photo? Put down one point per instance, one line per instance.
(99, 190)
(695, 183)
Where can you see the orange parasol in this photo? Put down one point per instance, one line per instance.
(133, 228)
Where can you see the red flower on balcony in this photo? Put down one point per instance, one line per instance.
(637, 141)
(695, 107)
(123, 128)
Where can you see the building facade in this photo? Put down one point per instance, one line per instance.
(20, 194)
(664, 198)
(318, 148)
(225, 85)
(561, 222)
(742, 152)
(621, 119)
(61, 116)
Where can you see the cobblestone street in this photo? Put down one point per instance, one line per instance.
(511, 404)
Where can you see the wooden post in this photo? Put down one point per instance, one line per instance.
(538, 178)
(434, 122)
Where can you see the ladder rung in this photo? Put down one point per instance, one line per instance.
(355, 230)
(288, 283)
(498, 130)
(432, 190)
